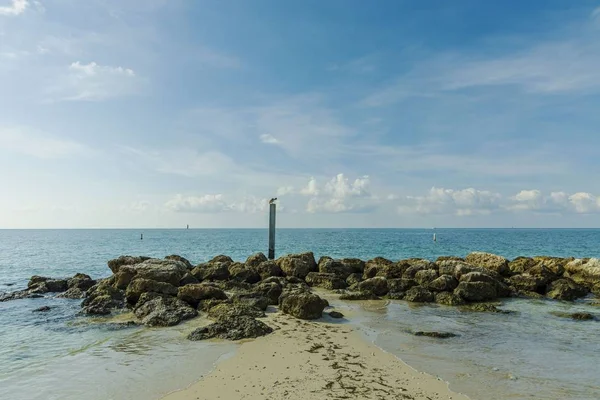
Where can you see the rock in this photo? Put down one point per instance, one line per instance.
(214, 271)
(440, 259)
(251, 299)
(489, 261)
(241, 273)
(326, 281)
(529, 295)
(445, 283)
(596, 290)
(335, 268)
(43, 309)
(81, 281)
(378, 286)
(555, 264)
(437, 335)
(19, 294)
(426, 276)
(578, 316)
(544, 274)
(353, 279)
(183, 260)
(485, 307)
(228, 310)
(565, 289)
(411, 272)
(188, 279)
(123, 278)
(375, 266)
(456, 268)
(73, 293)
(141, 285)
(36, 280)
(255, 260)
(395, 295)
(102, 298)
(336, 314)
(418, 294)
(359, 296)
(206, 305)
(116, 264)
(167, 271)
(270, 290)
(193, 294)
(164, 311)
(584, 271)
(40, 284)
(221, 259)
(448, 299)
(478, 277)
(303, 305)
(230, 285)
(521, 264)
(297, 265)
(527, 283)
(268, 269)
(232, 328)
(476, 291)
(400, 285)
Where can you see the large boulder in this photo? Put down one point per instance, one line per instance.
(378, 286)
(417, 265)
(193, 294)
(297, 265)
(141, 285)
(242, 273)
(124, 276)
(81, 281)
(400, 285)
(226, 310)
(565, 289)
(335, 267)
(419, 294)
(268, 269)
(73, 293)
(555, 264)
(303, 305)
(353, 279)
(270, 290)
(232, 328)
(185, 261)
(426, 276)
(255, 260)
(527, 283)
(41, 284)
(521, 264)
(545, 274)
(164, 311)
(168, 271)
(326, 281)
(117, 263)
(449, 299)
(489, 261)
(476, 290)
(444, 283)
(213, 271)
(251, 299)
(188, 279)
(375, 266)
(584, 271)
(102, 299)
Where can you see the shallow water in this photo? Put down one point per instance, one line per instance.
(58, 355)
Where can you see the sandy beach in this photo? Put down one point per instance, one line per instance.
(314, 360)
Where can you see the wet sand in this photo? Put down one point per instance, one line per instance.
(314, 360)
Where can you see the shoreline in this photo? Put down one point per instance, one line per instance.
(314, 360)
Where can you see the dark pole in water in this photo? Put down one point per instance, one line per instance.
(272, 209)
(141, 236)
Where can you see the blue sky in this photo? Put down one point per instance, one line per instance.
(156, 113)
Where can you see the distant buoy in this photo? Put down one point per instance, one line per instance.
(187, 227)
(434, 238)
(141, 236)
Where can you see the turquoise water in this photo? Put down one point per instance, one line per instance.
(58, 355)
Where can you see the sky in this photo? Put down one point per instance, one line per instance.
(430, 113)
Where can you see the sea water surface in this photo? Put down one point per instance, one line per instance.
(530, 354)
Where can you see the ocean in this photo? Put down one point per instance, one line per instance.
(530, 354)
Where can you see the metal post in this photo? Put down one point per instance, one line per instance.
(272, 207)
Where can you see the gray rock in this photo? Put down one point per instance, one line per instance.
(449, 299)
(242, 273)
(489, 261)
(336, 314)
(164, 311)
(445, 283)
(141, 285)
(426, 276)
(476, 291)
(303, 305)
(185, 261)
(214, 271)
(353, 279)
(268, 269)
(270, 290)
(255, 260)
(168, 271)
(328, 281)
(228, 310)
(297, 265)
(565, 289)
(193, 294)
(378, 286)
(418, 294)
(232, 328)
(73, 293)
(116, 264)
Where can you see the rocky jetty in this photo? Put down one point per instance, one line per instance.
(165, 292)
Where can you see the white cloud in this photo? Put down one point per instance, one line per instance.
(285, 190)
(339, 195)
(39, 144)
(269, 139)
(15, 8)
(449, 201)
(94, 82)
(211, 203)
(556, 202)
